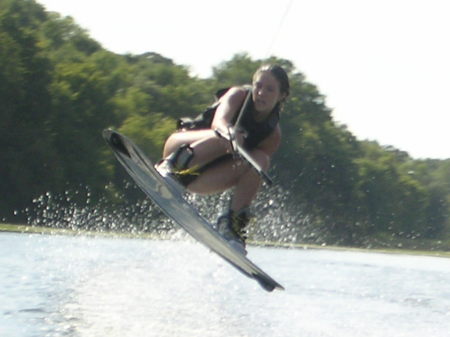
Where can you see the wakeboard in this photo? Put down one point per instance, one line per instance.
(170, 199)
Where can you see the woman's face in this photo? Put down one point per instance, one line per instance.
(266, 91)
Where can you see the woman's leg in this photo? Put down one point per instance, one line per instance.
(218, 176)
(232, 173)
(249, 182)
(206, 145)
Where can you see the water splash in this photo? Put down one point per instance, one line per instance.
(75, 210)
(276, 218)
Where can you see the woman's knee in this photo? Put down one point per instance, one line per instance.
(177, 139)
(262, 158)
(172, 143)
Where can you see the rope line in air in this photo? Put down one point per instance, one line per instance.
(278, 30)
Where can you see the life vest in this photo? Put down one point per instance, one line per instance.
(256, 131)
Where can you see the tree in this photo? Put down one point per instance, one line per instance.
(393, 200)
(25, 77)
(83, 106)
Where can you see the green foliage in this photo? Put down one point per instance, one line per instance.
(65, 41)
(25, 77)
(149, 131)
(59, 89)
(237, 71)
(82, 106)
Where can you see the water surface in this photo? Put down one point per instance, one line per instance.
(84, 286)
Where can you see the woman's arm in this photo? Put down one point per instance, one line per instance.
(229, 106)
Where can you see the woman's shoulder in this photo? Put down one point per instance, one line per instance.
(238, 90)
(236, 93)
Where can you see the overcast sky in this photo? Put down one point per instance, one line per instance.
(382, 64)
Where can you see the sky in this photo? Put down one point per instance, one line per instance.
(383, 65)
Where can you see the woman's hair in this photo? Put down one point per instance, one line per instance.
(279, 73)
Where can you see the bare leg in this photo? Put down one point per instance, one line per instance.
(206, 144)
(219, 178)
(249, 183)
(207, 147)
(232, 173)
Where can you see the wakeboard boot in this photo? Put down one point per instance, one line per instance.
(231, 225)
(176, 166)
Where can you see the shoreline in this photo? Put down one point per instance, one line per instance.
(27, 229)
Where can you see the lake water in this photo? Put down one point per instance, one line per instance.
(84, 286)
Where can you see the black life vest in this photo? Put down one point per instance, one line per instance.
(256, 131)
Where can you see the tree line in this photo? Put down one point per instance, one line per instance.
(59, 88)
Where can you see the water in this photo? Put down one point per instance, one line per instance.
(81, 286)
